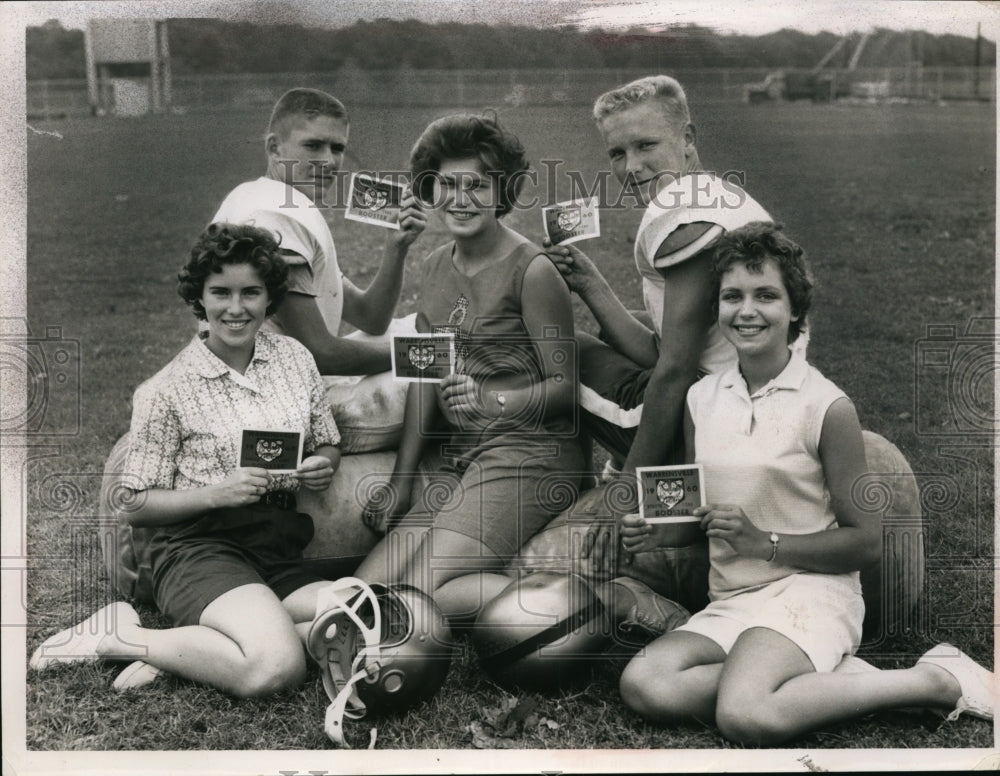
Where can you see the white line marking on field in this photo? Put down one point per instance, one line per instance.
(45, 132)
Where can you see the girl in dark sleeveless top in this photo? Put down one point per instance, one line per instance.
(503, 422)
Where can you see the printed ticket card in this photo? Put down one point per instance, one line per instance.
(669, 494)
(277, 450)
(374, 201)
(568, 222)
(423, 357)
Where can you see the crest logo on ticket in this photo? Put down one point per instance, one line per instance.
(423, 357)
(670, 494)
(567, 222)
(277, 450)
(374, 201)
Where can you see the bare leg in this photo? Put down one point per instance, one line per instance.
(459, 572)
(769, 691)
(674, 677)
(392, 556)
(245, 644)
(301, 606)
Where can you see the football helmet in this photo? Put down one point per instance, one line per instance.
(542, 631)
(381, 649)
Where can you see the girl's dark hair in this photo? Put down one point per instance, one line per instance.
(223, 244)
(463, 135)
(751, 244)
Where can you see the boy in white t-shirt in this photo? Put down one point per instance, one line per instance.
(305, 144)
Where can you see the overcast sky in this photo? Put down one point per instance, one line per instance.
(752, 17)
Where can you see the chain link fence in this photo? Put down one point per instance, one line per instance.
(498, 88)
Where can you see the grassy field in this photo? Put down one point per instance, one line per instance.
(893, 203)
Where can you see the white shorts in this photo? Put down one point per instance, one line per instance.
(820, 613)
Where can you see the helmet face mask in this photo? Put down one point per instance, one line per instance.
(381, 649)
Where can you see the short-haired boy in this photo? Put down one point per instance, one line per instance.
(305, 143)
(633, 383)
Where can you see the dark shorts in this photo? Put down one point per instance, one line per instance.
(225, 549)
(503, 491)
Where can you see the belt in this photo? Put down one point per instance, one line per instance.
(283, 499)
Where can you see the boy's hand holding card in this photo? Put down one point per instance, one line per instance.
(277, 450)
(374, 201)
(423, 357)
(568, 222)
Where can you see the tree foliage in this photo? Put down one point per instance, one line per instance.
(220, 46)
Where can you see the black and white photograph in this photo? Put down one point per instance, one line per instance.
(743, 247)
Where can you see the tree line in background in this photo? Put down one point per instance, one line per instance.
(216, 46)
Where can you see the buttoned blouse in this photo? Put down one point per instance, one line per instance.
(187, 420)
(761, 452)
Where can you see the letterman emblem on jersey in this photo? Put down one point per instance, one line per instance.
(421, 355)
(669, 492)
(459, 311)
(569, 219)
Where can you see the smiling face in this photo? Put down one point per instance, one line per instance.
(755, 310)
(465, 197)
(647, 148)
(306, 153)
(235, 302)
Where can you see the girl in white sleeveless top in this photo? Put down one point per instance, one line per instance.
(781, 448)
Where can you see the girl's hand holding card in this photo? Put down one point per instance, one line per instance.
(315, 472)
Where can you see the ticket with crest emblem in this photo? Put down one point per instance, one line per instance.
(670, 494)
(374, 201)
(423, 357)
(567, 222)
(277, 450)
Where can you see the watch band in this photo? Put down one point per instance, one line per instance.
(774, 546)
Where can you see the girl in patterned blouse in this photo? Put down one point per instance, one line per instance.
(224, 539)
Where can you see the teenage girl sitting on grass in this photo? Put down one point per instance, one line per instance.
(781, 448)
(224, 558)
(507, 410)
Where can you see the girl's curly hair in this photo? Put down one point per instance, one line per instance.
(224, 244)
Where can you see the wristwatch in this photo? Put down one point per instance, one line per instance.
(774, 546)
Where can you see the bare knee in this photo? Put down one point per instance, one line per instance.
(644, 689)
(758, 723)
(267, 672)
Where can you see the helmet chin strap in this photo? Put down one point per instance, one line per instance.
(345, 597)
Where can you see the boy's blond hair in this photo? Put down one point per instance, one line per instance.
(666, 90)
